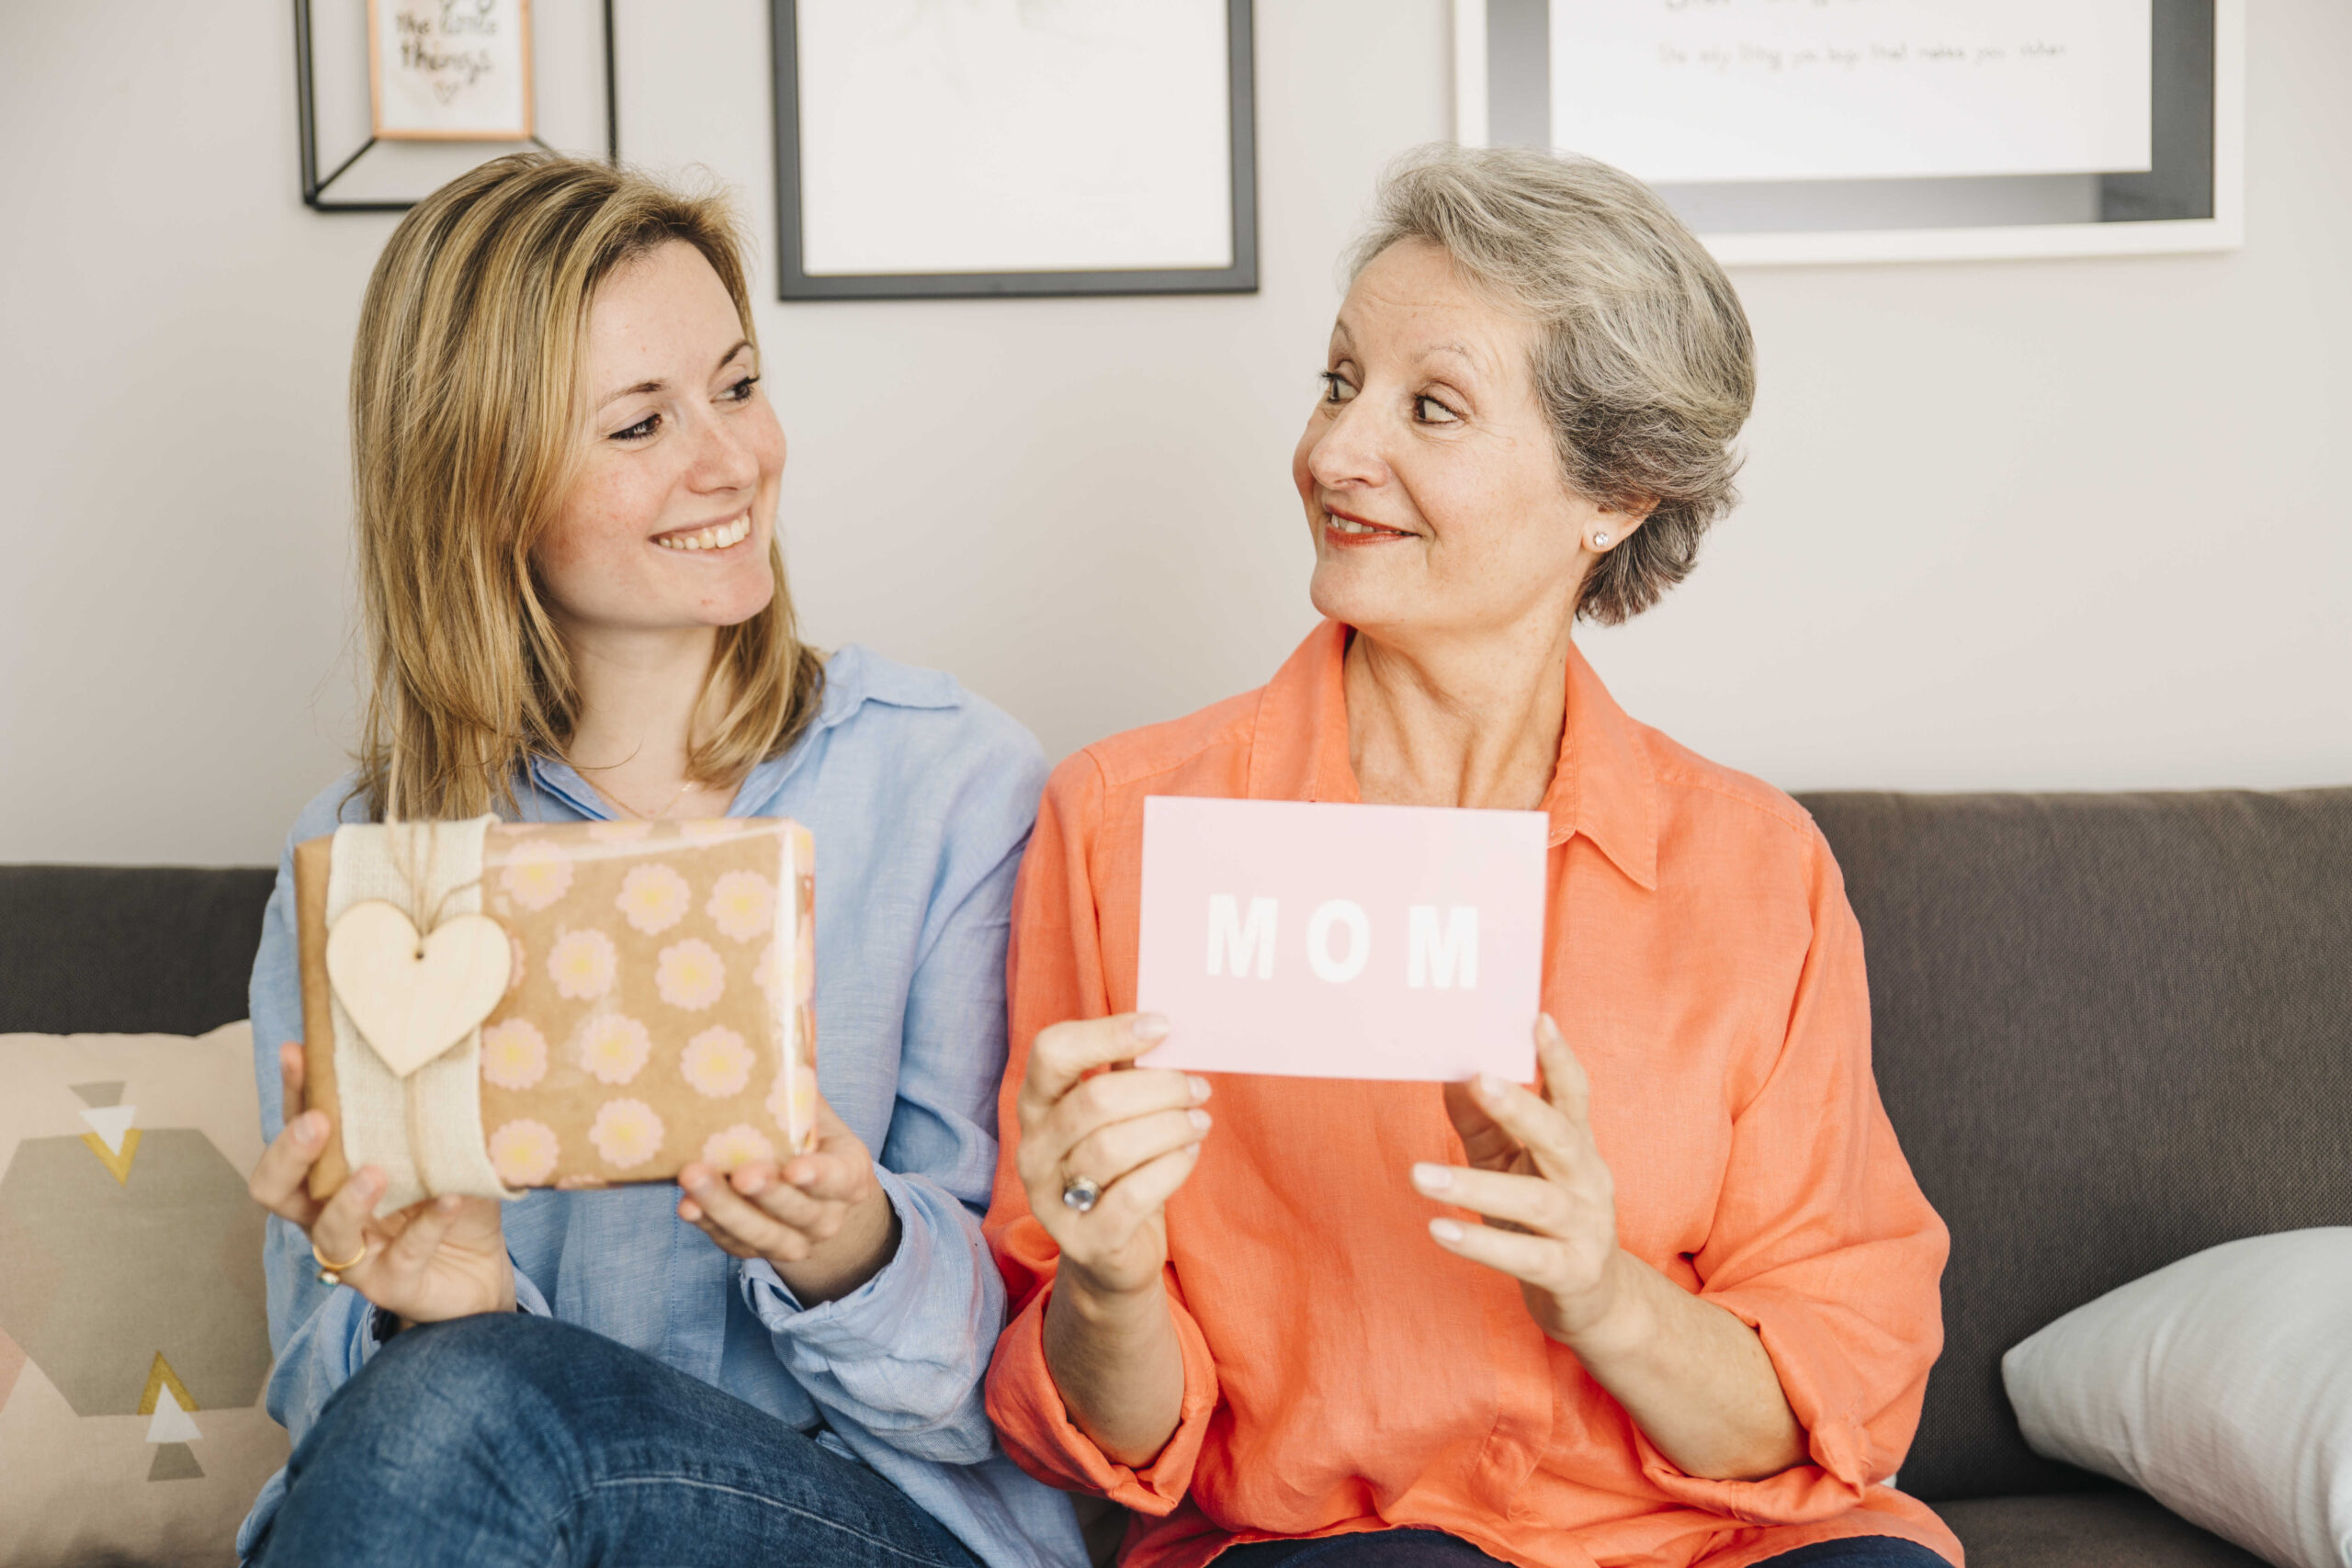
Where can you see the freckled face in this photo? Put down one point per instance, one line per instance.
(1428, 471)
(668, 523)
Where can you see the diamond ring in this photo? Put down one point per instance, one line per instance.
(1080, 1193)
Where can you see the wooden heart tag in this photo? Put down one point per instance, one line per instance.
(412, 999)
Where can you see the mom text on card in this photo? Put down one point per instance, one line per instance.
(1441, 945)
(1343, 940)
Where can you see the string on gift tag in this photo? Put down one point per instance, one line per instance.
(411, 1093)
(410, 866)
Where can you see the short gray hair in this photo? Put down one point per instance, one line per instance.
(1645, 362)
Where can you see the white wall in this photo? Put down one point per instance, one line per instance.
(2062, 525)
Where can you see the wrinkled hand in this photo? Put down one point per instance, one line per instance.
(1536, 1177)
(821, 1218)
(440, 1259)
(1135, 1133)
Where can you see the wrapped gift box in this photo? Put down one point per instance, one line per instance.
(657, 1006)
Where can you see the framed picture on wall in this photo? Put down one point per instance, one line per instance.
(394, 99)
(1018, 147)
(449, 70)
(1897, 131)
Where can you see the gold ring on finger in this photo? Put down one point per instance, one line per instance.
(330, 1272)
(1080, 1192)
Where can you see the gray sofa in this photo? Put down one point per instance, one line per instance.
(2111, 1030)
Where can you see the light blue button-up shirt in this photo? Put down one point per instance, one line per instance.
(921, 797)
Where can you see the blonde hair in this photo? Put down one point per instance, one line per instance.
(1644, 360)
(467, 407)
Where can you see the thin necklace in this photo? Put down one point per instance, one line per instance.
(642, 816)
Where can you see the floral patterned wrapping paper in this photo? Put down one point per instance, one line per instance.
(659, 1005)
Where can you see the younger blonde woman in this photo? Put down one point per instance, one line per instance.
(566, 474)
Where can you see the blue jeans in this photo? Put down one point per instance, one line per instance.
(1428, 1549)
(510, 1440)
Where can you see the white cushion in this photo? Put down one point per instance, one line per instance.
(2220, 1385)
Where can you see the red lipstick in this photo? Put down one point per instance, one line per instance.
(1342, 540)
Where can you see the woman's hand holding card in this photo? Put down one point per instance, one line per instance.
(1536, 1175)
(1102, 1151)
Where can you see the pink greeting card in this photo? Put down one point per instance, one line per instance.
(1343, 941)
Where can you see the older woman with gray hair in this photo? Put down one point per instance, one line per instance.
(1677, 1304)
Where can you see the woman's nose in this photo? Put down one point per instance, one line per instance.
(723, 459)
(1348, 452)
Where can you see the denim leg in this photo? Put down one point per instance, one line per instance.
(506, 1439)
(1404, 1548)
(1859, 1552)
(1369, 1549)
(1428, 1549)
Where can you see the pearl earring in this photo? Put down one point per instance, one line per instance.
(1598, 540)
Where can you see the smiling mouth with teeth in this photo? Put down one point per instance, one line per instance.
(718, 536)
(1343, 529)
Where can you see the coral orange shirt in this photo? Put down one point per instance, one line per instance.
(1342, 1373)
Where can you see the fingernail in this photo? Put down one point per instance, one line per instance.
(1433, 1178)
(1200, 1087)
(448, 1204)
(1148, 1026)
(1200, 1119)
(310, 1126)
(1491, 1085)
(1445, 1230)
(689, 1213)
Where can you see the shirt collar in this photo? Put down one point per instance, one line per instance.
(1602, 785)
(853, 677)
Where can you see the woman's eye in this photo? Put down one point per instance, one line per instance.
(640, 430)
(741, 391)
(1429, 411)
(1335, 387)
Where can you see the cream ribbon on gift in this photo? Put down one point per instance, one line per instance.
(415, 1116)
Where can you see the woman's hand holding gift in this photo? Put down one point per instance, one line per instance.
(820, 1219)
(441, 1259)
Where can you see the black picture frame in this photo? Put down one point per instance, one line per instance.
(794, 283)
(2191, 198)
(315, 186)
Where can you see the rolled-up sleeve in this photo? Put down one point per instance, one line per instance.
(902, 1357)
(1823, 1244)
(1039, 1435)
(1056, 968)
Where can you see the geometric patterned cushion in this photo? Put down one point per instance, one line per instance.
(133, 1345)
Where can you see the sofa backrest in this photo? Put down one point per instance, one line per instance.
(2111, 1030)
(126, 950)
